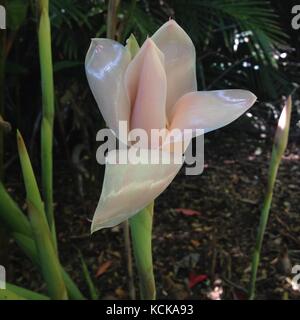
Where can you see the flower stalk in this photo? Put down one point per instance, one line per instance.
(141, 234)
(280, 143)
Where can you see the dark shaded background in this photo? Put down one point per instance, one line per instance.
(228, 195)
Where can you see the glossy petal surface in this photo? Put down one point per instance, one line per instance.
(147, 88)
(128, 188)
(105, 64)
(210, 110)
(180, 61)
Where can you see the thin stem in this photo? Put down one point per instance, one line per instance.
(279, 146)
(141, 233)
(128, 254)
(112, 18)
(44, 37)
(264, 217)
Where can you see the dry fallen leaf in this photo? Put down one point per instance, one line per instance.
(103, 268)
(188, 212)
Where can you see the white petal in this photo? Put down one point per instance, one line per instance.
(146, 85)
(180, 61)
(210, 110)
(105, 64)
(128, 188)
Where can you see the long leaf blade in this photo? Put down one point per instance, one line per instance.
(25, 293)
(11, 214)
(47, 255)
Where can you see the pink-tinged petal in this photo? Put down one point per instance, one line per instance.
(180, 61)
(146, 83)
(132, 74)
(128, 188)
(282, 132)
(210, 110)
(105, 64)
(176, 142)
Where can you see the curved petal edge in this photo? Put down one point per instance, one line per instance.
(210, 110)
(128, 188)
(180, 61)
(105, 65)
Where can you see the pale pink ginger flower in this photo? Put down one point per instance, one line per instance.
(157, 89)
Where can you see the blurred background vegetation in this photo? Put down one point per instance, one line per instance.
(239, 43)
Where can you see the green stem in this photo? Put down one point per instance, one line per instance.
(128, 254)
(141, 234)
(264, 217)
(279, 146)
(45, 52)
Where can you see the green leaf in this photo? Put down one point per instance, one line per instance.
(92, 289)
(73, 291)
(25, 293)
(132, 45)
(41, 233)
(11, 214)
(50, 265)
(28, 247)
(32, 190)
(9, 295)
